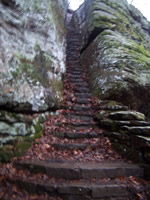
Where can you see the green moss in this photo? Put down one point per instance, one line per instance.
(6, 153)
(21, 148)
(58, 19)
(20, 145)
(38, 131)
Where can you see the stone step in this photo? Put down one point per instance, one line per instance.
(78, 101)
(73, 146)
(76, 79)
(88, 114)
(85, 84)
(81, 108)
(81, 89)
(82, 100)
(75, 69)
(78, 76)
(77, 135)
(79, 117)
(71, 39)
(74, 72)
(79, 170)
(82, 95)
(83, 123)
(78, 125)
(79, 190)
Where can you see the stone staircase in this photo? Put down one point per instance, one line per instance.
(104, 178)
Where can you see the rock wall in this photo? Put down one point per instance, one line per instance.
(32, 53)
(115, 47)
(32, 64)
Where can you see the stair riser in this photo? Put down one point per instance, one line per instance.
(69, 192)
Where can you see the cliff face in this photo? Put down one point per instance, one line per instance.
(32, 53)
(115, 46)
(32, 63)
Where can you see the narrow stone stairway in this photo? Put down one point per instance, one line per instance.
(73, 160)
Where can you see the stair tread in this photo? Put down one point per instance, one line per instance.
(73, 146)
(81, 170)
(77, 135)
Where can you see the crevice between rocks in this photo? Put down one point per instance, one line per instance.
(92, 37)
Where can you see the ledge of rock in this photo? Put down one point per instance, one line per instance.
(32, 64)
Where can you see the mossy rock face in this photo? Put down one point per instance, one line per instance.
(17, 132)
(115, 44)
(33, 65)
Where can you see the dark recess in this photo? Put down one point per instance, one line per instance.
(92, 37)
(9, 3)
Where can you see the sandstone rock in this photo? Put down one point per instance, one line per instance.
(141, 141)
(32, 58)
(22, 125)
(127, 115)
(17, 131)
(115, 46)
(137, 130)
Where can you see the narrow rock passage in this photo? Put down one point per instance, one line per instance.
(72, 160)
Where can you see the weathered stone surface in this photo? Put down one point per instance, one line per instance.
(76, 146)
(32, 54)
(115, 46)
(127, 115)
(137, 130)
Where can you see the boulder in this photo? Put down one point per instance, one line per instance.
(32, 65)
(127, 115)
(17, 131)
(115, 47)
(137, 130)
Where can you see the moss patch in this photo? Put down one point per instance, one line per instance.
(19, 145)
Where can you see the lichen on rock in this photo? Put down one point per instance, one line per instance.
(17, 131)
(32, 64)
